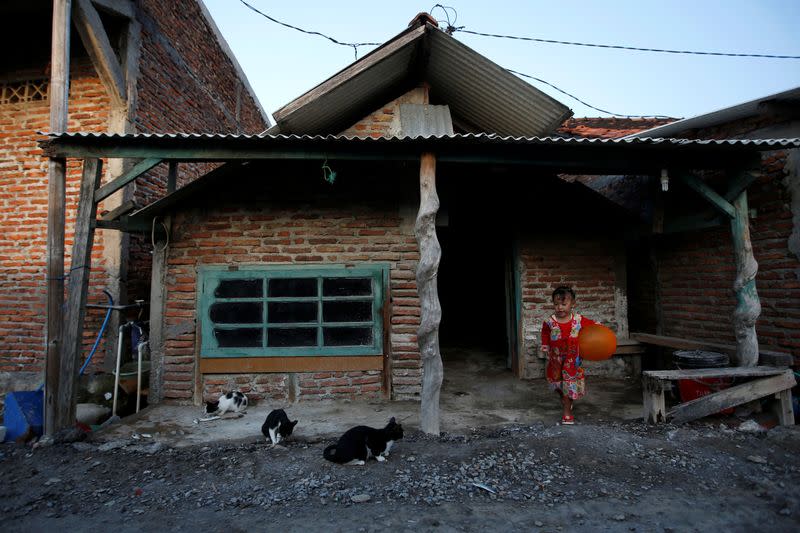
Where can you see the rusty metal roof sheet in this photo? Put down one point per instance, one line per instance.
(485, 96)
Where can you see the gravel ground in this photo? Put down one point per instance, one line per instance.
(610, 476)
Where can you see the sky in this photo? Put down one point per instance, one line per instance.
(281, 63)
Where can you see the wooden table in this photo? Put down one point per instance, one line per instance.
(767, 381)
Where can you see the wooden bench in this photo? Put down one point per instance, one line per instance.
(765, 357)
(770, 381)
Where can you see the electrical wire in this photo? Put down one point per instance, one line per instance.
(621, 47)
(562, 91)
(309, 32)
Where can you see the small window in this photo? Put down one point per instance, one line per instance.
(279, 311)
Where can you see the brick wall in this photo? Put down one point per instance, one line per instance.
(23, 218)
(329, 226)
(697, 271)
(185, 83)
(588, 266)
(385, 121)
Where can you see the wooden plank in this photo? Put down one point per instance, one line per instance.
(56, 209)
(116, 184)
(703, 373)
(158, 291)
(739, 184)
(95, 41)
(120, 8)
(172, 177)
(237, 365)
(783, 407)
(748, 306)
(717, 201)
(766, 357)
(717, 401)
(430, 309)
(123, 209)
(77, 291)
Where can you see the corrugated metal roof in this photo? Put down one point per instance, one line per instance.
(721, 116)
(481, 92)
(447, 140)
(419, 119)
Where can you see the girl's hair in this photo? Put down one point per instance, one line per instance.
(562, 292)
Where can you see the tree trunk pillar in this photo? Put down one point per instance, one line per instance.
(748, 307)
(431, 310)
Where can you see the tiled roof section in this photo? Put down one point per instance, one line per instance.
(609, 127)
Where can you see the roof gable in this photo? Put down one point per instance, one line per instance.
(483, 97)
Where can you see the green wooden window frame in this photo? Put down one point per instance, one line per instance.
(252, 312)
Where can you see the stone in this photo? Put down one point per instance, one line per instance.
(361, 498)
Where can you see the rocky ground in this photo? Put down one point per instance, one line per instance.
(598, 476)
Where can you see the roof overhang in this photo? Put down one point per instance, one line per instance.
(483, 95)
(774, 104)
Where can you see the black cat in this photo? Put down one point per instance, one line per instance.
(277, 426)
(362, 442)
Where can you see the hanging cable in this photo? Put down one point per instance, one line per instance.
(581, 101)
(621, 47)
(276, 21)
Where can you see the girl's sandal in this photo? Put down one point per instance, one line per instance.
(568, 420)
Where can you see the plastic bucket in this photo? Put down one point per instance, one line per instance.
(691, 389)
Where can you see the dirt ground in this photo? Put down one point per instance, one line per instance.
(594, 476)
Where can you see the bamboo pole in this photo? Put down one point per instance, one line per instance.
(56, 209)
(431, 311)
(748, 306)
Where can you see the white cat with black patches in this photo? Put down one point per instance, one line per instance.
(360, 443)
(228, 402)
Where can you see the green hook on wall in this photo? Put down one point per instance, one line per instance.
(328, 174)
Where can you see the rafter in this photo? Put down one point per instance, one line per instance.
(717, 201)
(95, 40)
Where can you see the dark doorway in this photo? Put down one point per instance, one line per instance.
(472, 290)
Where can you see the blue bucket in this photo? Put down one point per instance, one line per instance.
(23, 413)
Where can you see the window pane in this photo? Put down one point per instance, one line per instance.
(236, 313)
(289, 337)
(239, 288)
(282, 287)
(347, 311)
(283, 312)
(347, 287)
(347, 336)
(239, 338)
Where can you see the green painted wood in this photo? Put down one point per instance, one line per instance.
(748, 306)
(716, 200)
(211, 276)
(740, 182)
(113, 186)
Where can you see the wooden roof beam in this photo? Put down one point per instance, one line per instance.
(113, 186)
(95, 40)
(119, 8)
(717, 201)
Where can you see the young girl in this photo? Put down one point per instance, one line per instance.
(560, 345)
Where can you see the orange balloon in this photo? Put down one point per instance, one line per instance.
(596, 342)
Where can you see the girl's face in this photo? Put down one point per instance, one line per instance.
(563, 306)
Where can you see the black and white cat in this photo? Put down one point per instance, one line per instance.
(230, 402)
(277, 426)
(360, 443)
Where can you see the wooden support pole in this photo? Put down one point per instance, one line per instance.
(748, 306)
(78, 288)
(120, 181)
(158, 290)
(172, 177)
(431, 311)
(56, 209)
(717, 200)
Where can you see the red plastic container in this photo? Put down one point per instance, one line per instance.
(691, 389)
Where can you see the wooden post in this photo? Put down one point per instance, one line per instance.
(172, 177)
(655, 408)
(427, 271)
(78, 288)
(56, 209)
(157, 304)
(748, 307)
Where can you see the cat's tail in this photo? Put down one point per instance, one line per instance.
(330, 454)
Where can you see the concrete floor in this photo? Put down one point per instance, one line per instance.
(477, 392)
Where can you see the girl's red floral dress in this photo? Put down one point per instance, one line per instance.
(560, 342)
